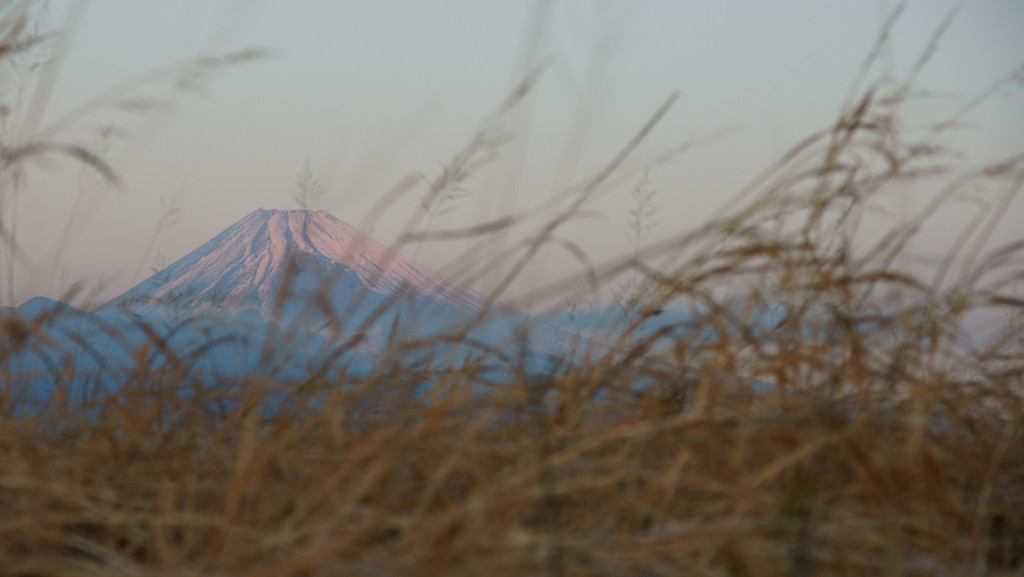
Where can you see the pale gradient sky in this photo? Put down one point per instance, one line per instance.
(371, 91)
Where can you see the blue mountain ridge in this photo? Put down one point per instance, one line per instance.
(280, 294)
(289, 294)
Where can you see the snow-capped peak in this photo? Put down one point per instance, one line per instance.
(308, 252)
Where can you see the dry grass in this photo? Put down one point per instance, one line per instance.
(888, 446)
(637, 484)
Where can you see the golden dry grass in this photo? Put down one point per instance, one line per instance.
(635, 485)
(887, 446)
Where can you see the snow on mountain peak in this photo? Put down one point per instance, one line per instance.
(309, 251)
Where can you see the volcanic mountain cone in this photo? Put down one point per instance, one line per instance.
(309, 269)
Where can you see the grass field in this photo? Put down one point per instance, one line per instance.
(890, 443)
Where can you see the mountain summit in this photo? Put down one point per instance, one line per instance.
(294, 255)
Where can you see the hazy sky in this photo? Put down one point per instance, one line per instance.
(372, 91)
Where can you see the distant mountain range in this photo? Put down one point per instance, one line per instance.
(281, 293)
(287, 294)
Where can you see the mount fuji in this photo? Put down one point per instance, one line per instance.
(297, 256)
(309, 281)
(311, 270)
(283, 294)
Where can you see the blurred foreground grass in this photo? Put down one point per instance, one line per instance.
(890, 444)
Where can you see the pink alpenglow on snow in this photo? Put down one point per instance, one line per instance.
(309, 253)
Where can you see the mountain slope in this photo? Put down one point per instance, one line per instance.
(303, 252)
(308, 275)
